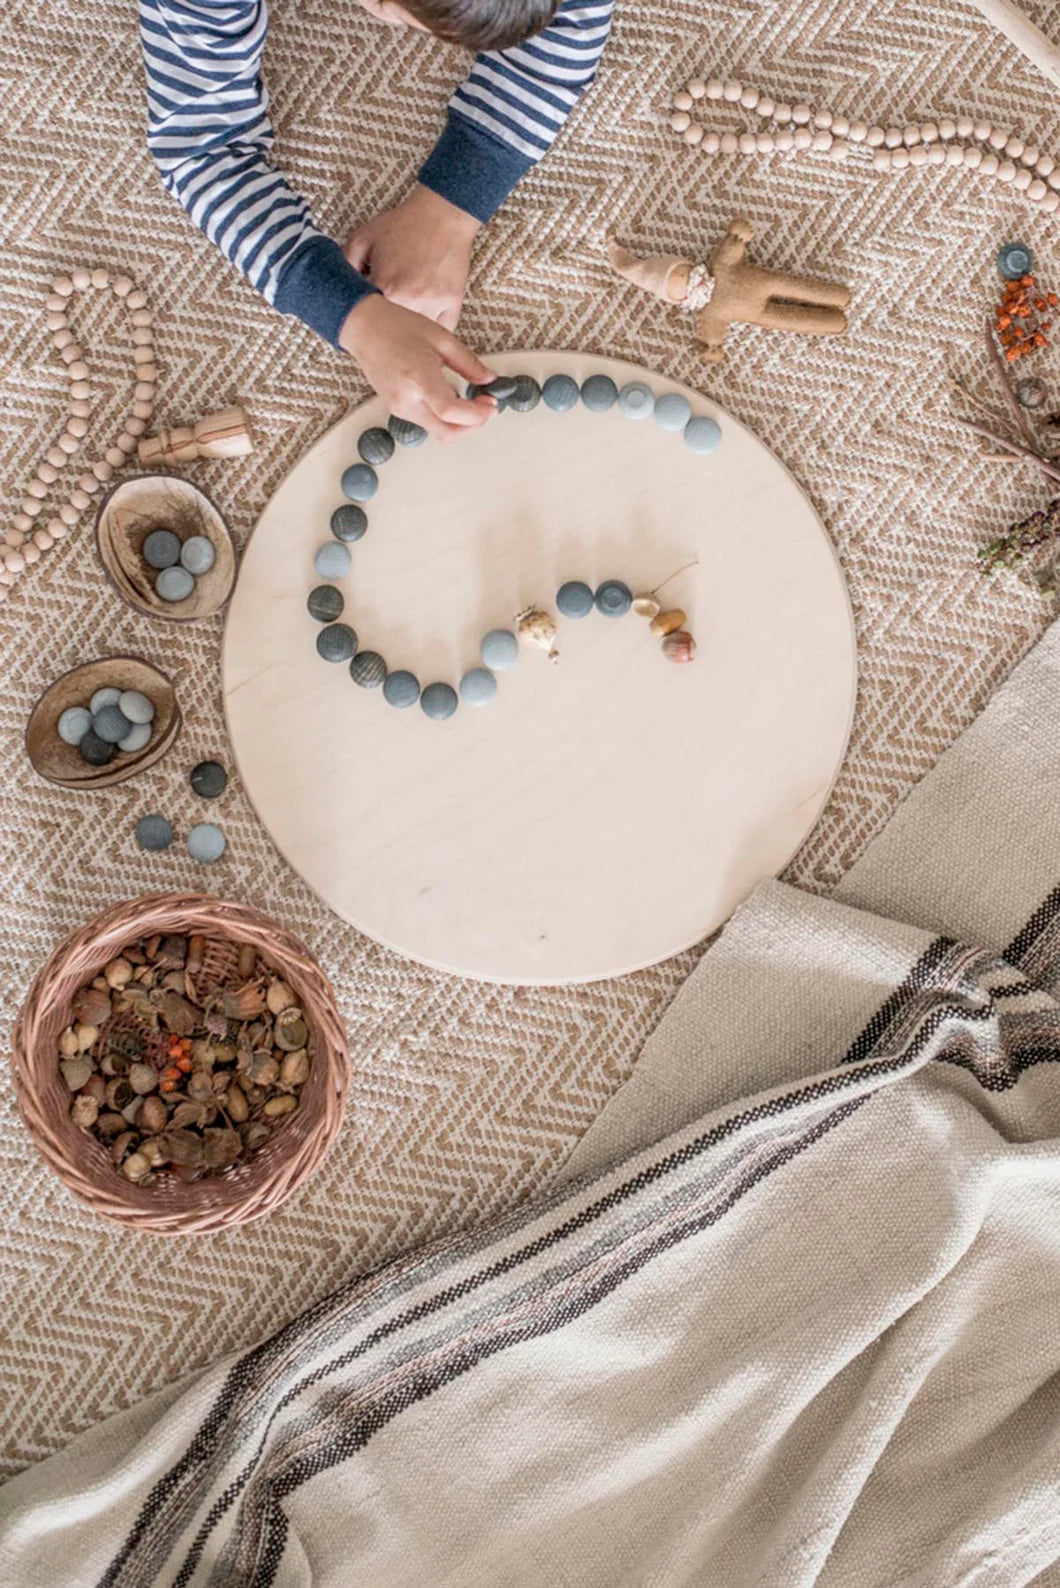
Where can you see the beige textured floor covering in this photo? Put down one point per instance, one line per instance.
(465, 1097)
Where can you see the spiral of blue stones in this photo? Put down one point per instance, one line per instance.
(499, 649)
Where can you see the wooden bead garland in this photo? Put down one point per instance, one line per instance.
(25, 540)
(961, 141)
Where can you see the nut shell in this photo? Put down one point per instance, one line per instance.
(669, 622)
(679, 646)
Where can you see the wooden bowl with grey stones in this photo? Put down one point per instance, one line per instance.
(62, 763)
(142, 503)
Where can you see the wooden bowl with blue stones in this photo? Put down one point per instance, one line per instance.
(62, 762)
(165, 548)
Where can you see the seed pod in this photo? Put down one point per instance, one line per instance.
(668, 622)
(173, 981)
(124, 1143)
(152, 1152)
(255, 1095)
(95, 1087)
(221, 1148)
(247, 958)
(172, 952)
(235, 1104)
(181, 1147)
(285, 1103)
(153, 1114)
(180, 1016)
(292, 1032)
(679, 646)
(143, 1078)
(243, 1003)
(196, 953)
(188, 1173)
(68, 1043)
(279, 997)
(136, 1168)
(99, 983)
(119, 1092)
(108, 1125)
(91, 1006)
(84, 1111)
(152, 946)
(131, 1112)
(87, 1037)
(200, 1086)
(118, 973)
(264, 1070)
(295, 1068)
(76, 1072)
(536, 627)
(255, 1135)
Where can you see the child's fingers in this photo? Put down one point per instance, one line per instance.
(453, 410)
(357, 252)
(463, 361)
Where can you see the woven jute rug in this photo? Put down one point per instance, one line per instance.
(467, 1097)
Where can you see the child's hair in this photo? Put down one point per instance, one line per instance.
(483, 24)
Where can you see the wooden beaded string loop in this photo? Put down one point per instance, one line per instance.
(797, 128)
(25, 541)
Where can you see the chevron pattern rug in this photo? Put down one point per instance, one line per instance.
(465, 1098)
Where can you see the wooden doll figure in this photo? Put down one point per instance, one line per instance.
(730, 289)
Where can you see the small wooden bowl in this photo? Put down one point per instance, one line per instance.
(61, 763)
(128, 514)
(171, 1207)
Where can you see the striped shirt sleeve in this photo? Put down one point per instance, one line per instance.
(512, 106)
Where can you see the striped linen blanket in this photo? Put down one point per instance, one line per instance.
(792, 1317)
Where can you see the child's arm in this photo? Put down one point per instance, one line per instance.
(211, 138)
(501, 121)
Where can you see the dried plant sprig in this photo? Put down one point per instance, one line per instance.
(1013, 547)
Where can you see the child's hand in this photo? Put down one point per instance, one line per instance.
(405, 355)
(418, 255)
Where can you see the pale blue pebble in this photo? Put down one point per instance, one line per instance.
(360, 482)
(401, 689)
(332, 560)
(599, 393)
(438, 701)
(107, 696)
(499, 649)
(702, 435)
(75, 723)
(478, 687)
(637, 401)
(574, 599)
(673, 411)
(197, 554)
(174, 584)
(136, 706)
(206, 843)
(560, 393)
(137, 737)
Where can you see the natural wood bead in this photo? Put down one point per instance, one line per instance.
(70, 353)
(142, 317)
(1046, 165)
(14, 561)
(1051, 203)
(78, 369)
(148, 372)
(58, 530)
(802, 138)
(1006, 171)
(80, 408)
(910, 136)
(55, 456)
(100, 278)
(747, 143)
(937, 154)
(22, 522)
(89, 483)
(115, 457)
(69, 444)
(1053, 179)
(972, 157)
(121, 286)
(55, 302)
(782, 112)
(784, 141)
(63, 338)
(955, 156)
(137, 299)
(30, 506)
(80, 499)
(822, 120)
(144, 391)
(103, 472)
(678, 121)
(135, 426)
(81, 278)
(77, 427)
(875, 137)
(13, 537)
(38, 489)
(989, 163)
(54, 320)
(62, 286)
(697, 88)
(142, 336)
(682, 101)
(48, 473)
(765, 107)
(899, 159)
(30, 554)
(80, 389)
(918, 155)
(892, 138)
(142, 410)
(126, 444)
(840, 126)
(1030, 155)
(1014, 148)
(1037, 190)
(998, 138)
(1022, 180)
(145, 354)
(68, 514)
(42, 540)
(965, 126)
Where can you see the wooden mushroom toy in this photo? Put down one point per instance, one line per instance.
(143, 505)
(729, 289)
(223, 435)
(61, 762)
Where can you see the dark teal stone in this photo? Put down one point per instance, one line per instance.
(360, 482)
(208, 780)
(337, 642)
(527, 395)
(599, 393)
(97, 751)
(613, 598)
(154, 832)
(110, 724)
(574, 599)
(401, 689)
(439, 701)
(560, 393)
(325, 603)
(376, 445)
(161, 549)
(1015, 260)
(405, 433)
(349, 522)
(368, 669)
(502, 388)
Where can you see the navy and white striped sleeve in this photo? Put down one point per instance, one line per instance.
(210, 135)
(510, 110)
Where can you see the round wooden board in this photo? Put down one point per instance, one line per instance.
(606, 811)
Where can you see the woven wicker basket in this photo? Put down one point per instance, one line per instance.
(171, 1207)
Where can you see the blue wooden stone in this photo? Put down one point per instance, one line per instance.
(478, 687)
(502, 388)
(74, 724)
(331, 560)
(336, 643)
(154, 832)
(613, 598)
(527, 395)
(349, 522)
(599, 393)
(197, 555)
(1015, 260)
(636, 401)
(574, 599)
(136, 706)
(375, 445)
(405, 433)
(401, 689)
(673, 411)
(438, 701)
(325, 603)
(206, 843)
(111, 724)
(107, 696)
(560, 393)
(360, 482)
(499, 649)
(368, 669)
(137, 738)
(702, 435)
(174, 584)
(96, 751)
(161, 549)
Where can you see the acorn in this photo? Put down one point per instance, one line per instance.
(679, 646)
(91, 1006)
(668, 622)
(279, 997)
(645, 606)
